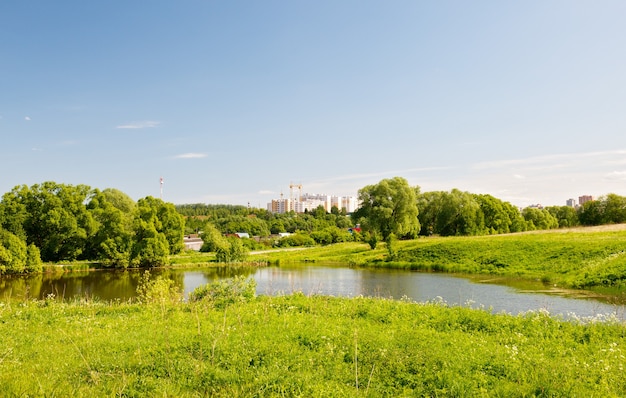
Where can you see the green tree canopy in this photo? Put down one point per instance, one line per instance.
(51, 216)
(113, 211)
(567, 216)
(389, 208)
(539, 219)
(15, 256)
(158, 232)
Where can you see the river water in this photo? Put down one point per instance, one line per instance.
(513, 297)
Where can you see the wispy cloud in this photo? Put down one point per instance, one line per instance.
(380, 174)
(555, 160)
(191, 156)
(616, 176)
(139, 125)
(27, 118)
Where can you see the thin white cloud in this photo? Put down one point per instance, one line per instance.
(27, 118)
(388, 173)
(547, 159)
(616, 176)
(191, 156)
(139, 125)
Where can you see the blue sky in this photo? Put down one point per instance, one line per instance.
(231, 101)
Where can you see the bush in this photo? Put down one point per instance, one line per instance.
(223, 293)
(232, 251)
(158, 291)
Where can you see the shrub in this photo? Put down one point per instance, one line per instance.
(233, 251)
(223, 293)
(158, 291)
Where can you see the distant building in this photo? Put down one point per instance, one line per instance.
(570, 202)
(280, 206)
(192, 242)
(584, 199)
(309, 202)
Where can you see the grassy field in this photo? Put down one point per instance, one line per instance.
(232, 344)
(574, 258)
(298, 346)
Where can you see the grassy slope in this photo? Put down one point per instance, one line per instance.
(302, 346)
(569, 258)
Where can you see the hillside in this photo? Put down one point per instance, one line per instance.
(573, 258)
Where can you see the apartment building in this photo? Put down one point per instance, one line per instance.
(310, 202)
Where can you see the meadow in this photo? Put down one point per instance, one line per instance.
(233, 344)
(226, 342)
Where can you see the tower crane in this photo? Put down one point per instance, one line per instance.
(291, 187)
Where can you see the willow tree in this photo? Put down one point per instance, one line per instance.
(388, 210)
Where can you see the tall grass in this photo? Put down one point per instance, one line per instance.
(301, 346)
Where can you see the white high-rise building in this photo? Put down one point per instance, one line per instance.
(310, 202)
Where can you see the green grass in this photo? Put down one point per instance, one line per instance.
(580, 258)
(302, 346)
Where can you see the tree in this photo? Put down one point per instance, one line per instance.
(172, 226)
(237, 223)
(539, 219)
(518, 224)
(591, 213)
(212, 238)
(232, 252)
(389, 208)
(227, 250)
(15, 256)
(496, 217)
(565, 215)
(429, 204)
(614, 209)
(51, 216)
(13, 212)
(459, 215)
(151, 246)
(112, 243)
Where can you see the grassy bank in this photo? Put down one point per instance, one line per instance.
(578, 258)
(302, 346)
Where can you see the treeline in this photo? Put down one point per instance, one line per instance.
(230, 219)
(457, 213)
(53, 222)
(444, 213)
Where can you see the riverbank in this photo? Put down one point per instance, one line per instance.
(301, 346)
(571, 258)
(577, 258)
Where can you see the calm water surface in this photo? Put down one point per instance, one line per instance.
(319, 279)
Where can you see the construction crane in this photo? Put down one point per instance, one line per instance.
(291, 187)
